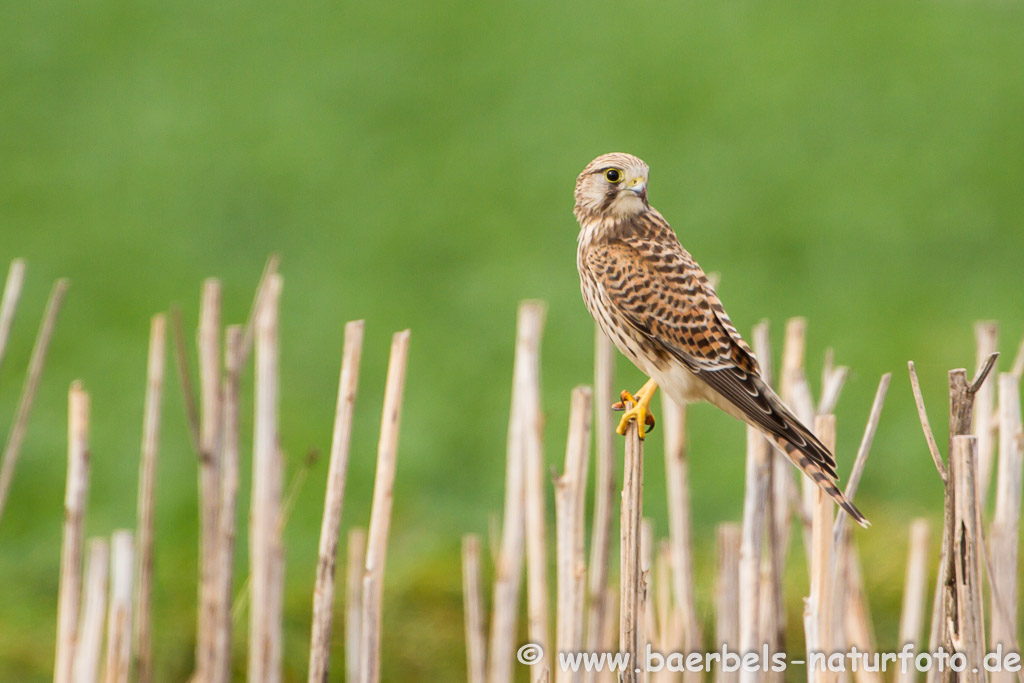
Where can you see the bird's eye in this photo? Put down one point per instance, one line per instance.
(613, 175)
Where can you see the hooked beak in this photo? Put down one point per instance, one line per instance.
(638, 186)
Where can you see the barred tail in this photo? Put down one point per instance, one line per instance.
(814, 471)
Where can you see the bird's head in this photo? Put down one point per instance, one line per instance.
(612, 186)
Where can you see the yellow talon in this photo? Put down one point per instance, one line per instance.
(640, 411)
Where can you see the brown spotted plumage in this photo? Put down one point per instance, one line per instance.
(656, 305)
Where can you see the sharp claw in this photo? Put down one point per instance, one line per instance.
(644, 426)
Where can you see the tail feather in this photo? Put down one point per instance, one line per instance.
(815, 472)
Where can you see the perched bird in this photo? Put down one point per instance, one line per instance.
(656, 305)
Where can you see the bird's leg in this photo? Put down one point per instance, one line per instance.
(640, 411)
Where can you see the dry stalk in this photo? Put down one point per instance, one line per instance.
(646, 626)
(356, 560)
(476, 639)
(9, 302)
(986, 336)
(12, 449)
(509, 564)
(857, 622)
(570, 496)
(69, 590)
(604, 493)
(207, 343)
(661, 625)
(323, 593)
(967, 629)
(262, 288)
(947, 624)
(796, 394)
(771, 608)
(755, 501)
(818, 607)
(922, 415)
(610, 637)
(757, 493)
(184, 369)
(147, 483)
(632, 580)
(1018, 362)
(94, 611)
(862, 455)
(265, 553)
(380, 512)
(538, 628)
(727, 595)
(220, 671)
(1004, 533)
(681, 545)
(832, 381)
(912, 614)
(119, 623)
(659, 594)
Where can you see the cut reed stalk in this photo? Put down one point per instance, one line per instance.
(509, 565)
(323, 592)
(647, 628)
(986, 336)
(610, 637)
(537, 619)
(147, 484)
(9, 302)
(181, 364)
(631, 578)
(922, 415)
(265, 554)
(948, 626)
(832, 381)
(796, 392)
(1018, 362)
(472, 600)
(786, 495)
(771, 609)
(818, 608)
(967, 628)
(861, 459)
(119, 621)
(570, 496)
(912, 614)
(15, 437)
(356, 560)
(681, 545)
(94, 611)
(727, 595)
(380, 512)
(1004, 532)
(225, 561)
(69, 589)
(754, 503)
(262, 289)
(208, 343)
(856, 626)
(604, 494)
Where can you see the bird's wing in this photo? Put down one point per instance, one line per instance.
(665, 295)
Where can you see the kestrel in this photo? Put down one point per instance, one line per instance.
(656, 305)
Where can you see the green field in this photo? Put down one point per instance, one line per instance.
(413, 164)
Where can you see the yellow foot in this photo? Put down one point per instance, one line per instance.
(640, 411)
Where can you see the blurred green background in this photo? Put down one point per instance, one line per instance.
(413, 163)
